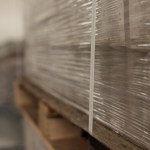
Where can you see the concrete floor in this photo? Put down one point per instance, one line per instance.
(11, 137)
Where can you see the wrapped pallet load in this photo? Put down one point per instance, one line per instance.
(59, 49)
(94, 55)
(121, 91)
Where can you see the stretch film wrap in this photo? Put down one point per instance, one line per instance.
(122, 69)
(58, 54)
(61, 37)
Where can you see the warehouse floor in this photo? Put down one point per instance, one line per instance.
(10, 129)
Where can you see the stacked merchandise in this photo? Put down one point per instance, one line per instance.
(121, 94)
(58, 59)
(139, 24)
(58, 54)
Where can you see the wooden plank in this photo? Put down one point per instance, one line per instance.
(23, 99)
(35, 140)
(62, 135)
(60, 129)
(62, 108)
(44, 112)
(72, 144)
(36, 133)
(42, 117)
(111, 139)
(54, 126)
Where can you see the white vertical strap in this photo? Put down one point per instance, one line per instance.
(92, 66)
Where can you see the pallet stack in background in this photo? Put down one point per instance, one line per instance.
(10, 69)
(10, 120)
(57, 60)
(7, 77)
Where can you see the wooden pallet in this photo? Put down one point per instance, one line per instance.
(44, 129)
(108, 137)
(54, 126)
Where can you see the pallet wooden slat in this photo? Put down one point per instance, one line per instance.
(111, 139)
(62, 135)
